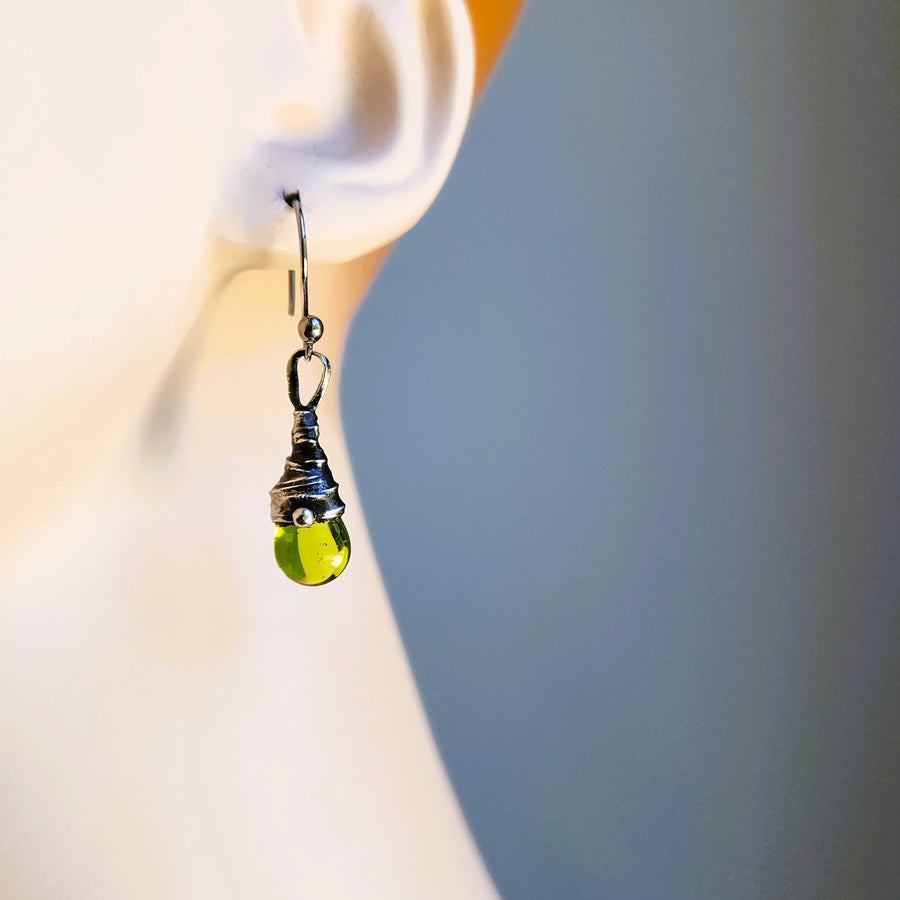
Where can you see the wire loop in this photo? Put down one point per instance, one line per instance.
(293, 376)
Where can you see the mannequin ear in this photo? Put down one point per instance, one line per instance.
(367, 135)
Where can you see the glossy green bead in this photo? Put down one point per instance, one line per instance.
(315, 554)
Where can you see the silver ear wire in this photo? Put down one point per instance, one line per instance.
(292, 198)
(309, 327)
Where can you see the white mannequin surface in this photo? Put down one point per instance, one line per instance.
(177, 719)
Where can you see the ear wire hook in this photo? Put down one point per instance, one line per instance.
(292, 199)
(309, 327)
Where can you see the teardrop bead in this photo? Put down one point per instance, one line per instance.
(313, 554)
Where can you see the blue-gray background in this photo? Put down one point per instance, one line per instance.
(624, 412)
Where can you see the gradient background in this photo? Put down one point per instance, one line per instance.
(624, 412)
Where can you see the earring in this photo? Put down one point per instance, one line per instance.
(311, 542)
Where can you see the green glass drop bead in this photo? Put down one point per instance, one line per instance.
(315, 554)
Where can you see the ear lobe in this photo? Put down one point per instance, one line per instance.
(382, 107)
